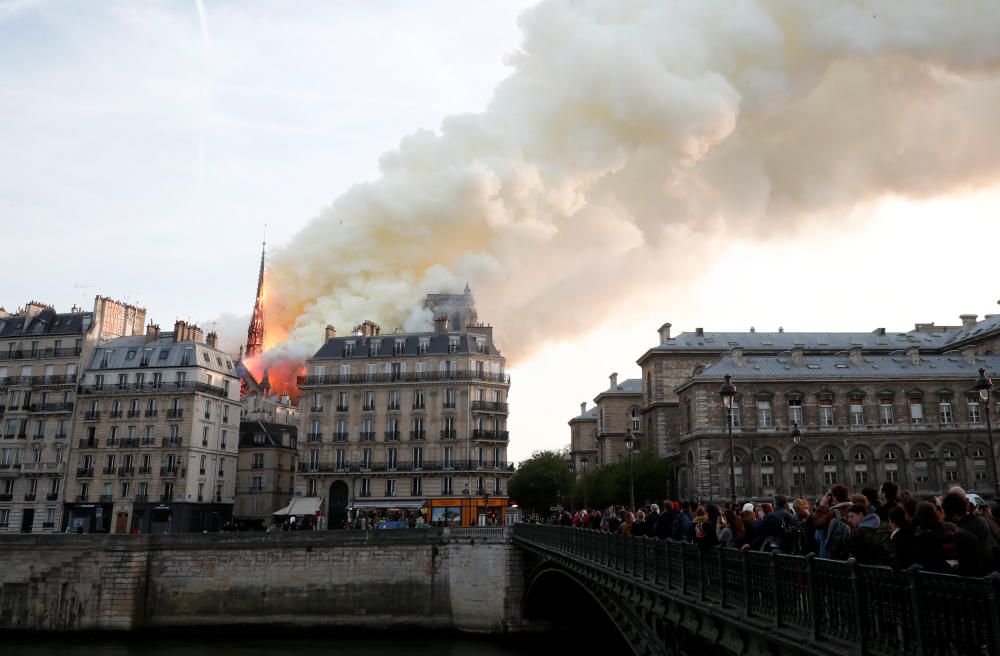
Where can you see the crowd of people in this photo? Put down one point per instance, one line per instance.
(948, 534)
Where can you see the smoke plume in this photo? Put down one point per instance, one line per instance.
(629, 137)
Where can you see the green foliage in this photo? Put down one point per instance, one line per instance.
(609, 485)
(539, 481)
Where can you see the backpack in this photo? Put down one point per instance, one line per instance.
(838, 539)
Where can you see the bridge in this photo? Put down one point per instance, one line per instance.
(673, 598)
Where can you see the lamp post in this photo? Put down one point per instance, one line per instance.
(486, 508)
(984, 386)
(583, 463)
(728, 394)
(797, 439)
(629, 443)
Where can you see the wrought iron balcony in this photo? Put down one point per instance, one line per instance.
(51, 407)
(41, 354)
(314, 437)
(340, 437)
(392, 436)
(52, 496)
(154, 388)
(409, 377)
(115, 414)
(169, 471)
(316, 408)
(126, 471)
(92, 415)
(175, 413)
(172, 441)
(489, 406)
(84, 472)
(134, 413)
(449, 434)
(493, 435)
(29, 497)
(88, 443)
(417, 434)
(152, 413)
(367, 436)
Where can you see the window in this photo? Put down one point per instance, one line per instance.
(891, 466)
(369, 404)
(449, 398)
(222, 440)
(311, 487)
(422, 347)
(345, 373)
(636, 420)
(497, 485)
(371, 372)
(857, 412)
(829, 468)
(885, 411)
(921, 467)
(453, 344)
(916, 411)
(950, 465)
(944, 410)
(348, 352)
(374, 346)
(258, 461)
(390, 487)
(446, 485)
(764, 413)
(826, 412)
(767, 471)
(366, 487)
(795, 412)
(342, 401)
(975, 416)
(366, 458)
(798, 470)
(449, 457)
(979, 465)
(416, 487)
(399, 346)
(417, 453)
(418, 399)
(860, 468)
(391, 458)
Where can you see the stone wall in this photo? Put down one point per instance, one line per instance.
(459, 579)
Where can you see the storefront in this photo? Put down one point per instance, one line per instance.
(87, 518)
(301, 513)
(180, 517)
(466, 511)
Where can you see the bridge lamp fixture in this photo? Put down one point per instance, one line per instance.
(984, 386)
(630, 444)
(728, 394)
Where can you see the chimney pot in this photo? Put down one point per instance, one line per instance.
(914, 354)
(798, 355)
(781, 329)
(664, 333)
(968, 320)
(614, 380)
(441, 323)
(700, 332)
(583, 407)
(212, 339)
(737, 355)
(331, 332)
(855, 354)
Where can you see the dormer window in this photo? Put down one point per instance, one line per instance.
(374, 346)
(480, 345)
(453, 344)
(348, 349)
(423, 344)
(398, 346)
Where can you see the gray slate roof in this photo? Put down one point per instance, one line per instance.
(785, 341)
(272, 433)
(629, 386)
(46, 322)
(438, 345)
(589, 415)
(127, 353)
(878, 367)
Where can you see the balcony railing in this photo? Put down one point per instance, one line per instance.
(142, 498)
(152, 413)
(154, 388)
(43, 468)
(489, 406)
(109, 470)
(84, 472)
(490, 435)
(128, 442)
(403, 466)
(52, 496)
(51, 407)
(126, 471)
(29, 497)
(409, 377)
(145, 470)
(92, 415)
(418, 434)
(169, 471)
(41, 354)
(340, 437)
(392, 436)
(172, 441)
(88, 443)
(314, 437)
(367, 436)
(449, 434)
(133, 413)
(115, 414)
(316, 408)
(175, 413)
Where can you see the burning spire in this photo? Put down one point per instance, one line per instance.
(255, 333)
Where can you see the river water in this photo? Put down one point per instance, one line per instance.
(396, 644)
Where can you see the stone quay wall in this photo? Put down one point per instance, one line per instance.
(463, 579)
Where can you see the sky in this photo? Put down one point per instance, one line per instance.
(144, 147)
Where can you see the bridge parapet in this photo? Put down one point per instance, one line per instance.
(794, 604)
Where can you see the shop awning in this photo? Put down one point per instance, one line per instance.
(301, 506)
(402, 505)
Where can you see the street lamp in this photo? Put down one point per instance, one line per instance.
(629, 443)
(583, 462)
(728, 394)
(984, 386)
(797, 439)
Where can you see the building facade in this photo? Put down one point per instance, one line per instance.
(410, 421)
(265, 473)
(583, 440)
(820, 377)
(618, 418)
(156, 436)
(41, 354)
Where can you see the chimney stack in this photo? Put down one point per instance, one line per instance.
(212, 339)
(664, 333)
(969, 353)
(700, 332)
(968, 320)
(914, 354)
(737, 355)
(441, 323)
(583, 408)
(331, 332)
(856, 356)
(614, 380)
(798, 355)
(152, 332)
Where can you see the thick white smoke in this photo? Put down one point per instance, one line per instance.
(629, 137)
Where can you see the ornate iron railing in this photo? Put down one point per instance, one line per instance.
(875, 610)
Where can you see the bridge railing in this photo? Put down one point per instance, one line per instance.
(878, 610)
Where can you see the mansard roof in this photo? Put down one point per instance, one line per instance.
(46, 322)
(437, 344)
(869, 367)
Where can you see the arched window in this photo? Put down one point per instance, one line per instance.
(860, 468)
(738, 472)
(921, 466)
(767, 472)
(950, 465)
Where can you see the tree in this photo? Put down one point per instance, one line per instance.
(539, 481)
(609, 485)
